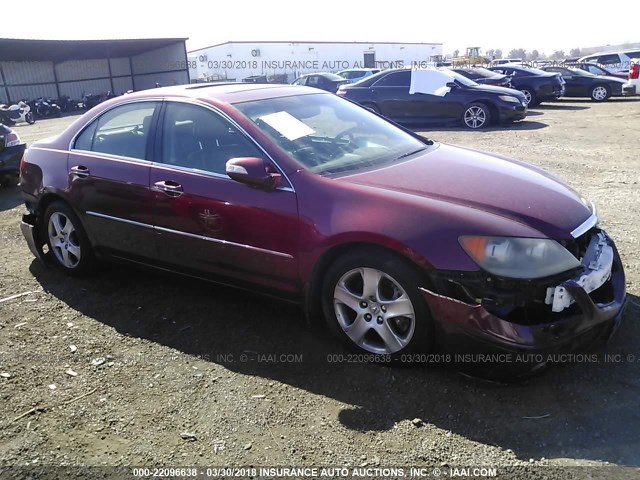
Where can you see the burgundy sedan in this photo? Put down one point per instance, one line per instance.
(401, 243)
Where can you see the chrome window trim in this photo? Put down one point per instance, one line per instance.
(585, 226)
(192, 101)
(191, 235)
(110, 156)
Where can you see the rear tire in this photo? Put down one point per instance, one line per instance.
(530, 96)
(371, 302)
(68, 244)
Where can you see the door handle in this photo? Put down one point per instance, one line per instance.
(169, 187)
(80, 171)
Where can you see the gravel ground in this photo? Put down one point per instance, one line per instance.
(128, 367)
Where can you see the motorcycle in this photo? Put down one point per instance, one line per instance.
(20, 113)
(66, 104)
(90, 100)
(45, 107)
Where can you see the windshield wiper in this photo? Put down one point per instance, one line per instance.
(409, 154)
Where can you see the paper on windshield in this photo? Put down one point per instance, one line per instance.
(430, 81)
(287, 125)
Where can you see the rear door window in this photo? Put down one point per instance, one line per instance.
(395, 79)
(123, 131)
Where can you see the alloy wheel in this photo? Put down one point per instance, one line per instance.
(64, 240)
(475, 117)
(374, 311)
(599, 93)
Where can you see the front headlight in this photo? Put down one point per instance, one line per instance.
(509, 98)
(525, 258)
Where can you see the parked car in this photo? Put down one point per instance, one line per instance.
(579, 83)
(483, 76)
(537, 85)
(475, 106)
(11, 151)
(632, 87)
(324, 81)
(401, 243)
(256, 79)
(356, 74)
(619, 61)
(595, 69)
(502, 61)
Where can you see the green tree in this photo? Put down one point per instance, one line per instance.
(518, 53)
(558, 55)
(575, 52)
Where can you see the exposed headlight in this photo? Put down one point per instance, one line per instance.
(509, 98)
(525, 258)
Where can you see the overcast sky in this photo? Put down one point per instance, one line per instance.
(543, 24)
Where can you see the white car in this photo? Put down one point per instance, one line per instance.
(613, 61)
(632, 87)
(357, 74)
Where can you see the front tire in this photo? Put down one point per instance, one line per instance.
(371, 301)
(67, 241)
(476, 115)
(30, 118)
(600, 93)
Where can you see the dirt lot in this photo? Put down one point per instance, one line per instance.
(177, 372)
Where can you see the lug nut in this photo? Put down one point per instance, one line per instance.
(383, 308)
(367, 317)
(363, 305)
(380, 320)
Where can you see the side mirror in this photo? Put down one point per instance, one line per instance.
(452, 85)
(252, 171)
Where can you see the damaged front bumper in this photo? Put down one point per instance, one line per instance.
(467, 327)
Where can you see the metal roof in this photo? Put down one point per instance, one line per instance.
(12, 49)
(313, 42)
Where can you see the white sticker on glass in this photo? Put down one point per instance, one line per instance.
(287, 125)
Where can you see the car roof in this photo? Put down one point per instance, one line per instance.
(227, 92)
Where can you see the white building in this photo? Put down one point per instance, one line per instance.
(235, 61)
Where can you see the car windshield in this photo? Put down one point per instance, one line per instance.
(332, 76)
(530, 70)
(483, 72)
(467, 82)
(329, 135)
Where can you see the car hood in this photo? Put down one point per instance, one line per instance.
(487, 182)
(496, 90)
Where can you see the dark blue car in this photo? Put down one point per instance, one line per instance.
(538, 86)
(11, 150)
(584, 84)
(466, 102)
